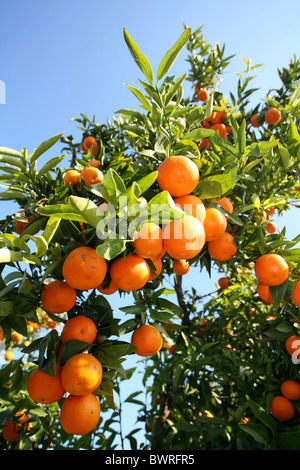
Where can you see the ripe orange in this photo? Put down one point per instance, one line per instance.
(111, 289)
(290, 389)
(130, 273)
(184, 238)
(224, 282)
(16, 337)
(217, 117)
(79, 328)
(281, 408)
(271, 269)
(20, 224)
(147, 339)
(95, 163)
(273, 116)
(264, 293)
(171, 350)
(271, 227)
(89, 142)
(9, 355)
(253, 120)
(178, 175)
(81, 374)
(71, 177)
(215, 224)
(221, 129)
(11, 431)
(79, 415)
(44, 388)
(158, 268)
(181, 267)
(202, 94)
(292, 345)
(192, 205)
(1, 334)
(58, 297)
(226, 204)
(296, 294)
(204, 143)
(148, 242)
(83, 269)
(270, 211)
(91, 175)
(223, 248)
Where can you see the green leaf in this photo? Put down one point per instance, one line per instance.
(50, 165)
(61, 211)
(169, 58)
(139, 58)
(289, 439)
(140, 96)
(10, 152)
(43, 147)
(242, 138)
(262, 415)
(173, 90)
(111, 248)
(8, 256)
(284, 155)
(14, 161)
(257, 431)
(86, 208)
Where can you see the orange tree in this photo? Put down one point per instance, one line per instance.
(205, 174)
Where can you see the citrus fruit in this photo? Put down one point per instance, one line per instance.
(223, 248)
(58, 297)
(44, 388)
(271, 269)
(147, 339)
(273, 116)
(296, 294)
(83, 269)
(184, 238)
(281, 408)
(91, 175)
(215, 224)
(79, 328)
(71, 177)
(191, 205)
(79, 415)
(130, 273)
(178, 175)
(181, 267)
(148, 242)
(290, 389)
(81, 374)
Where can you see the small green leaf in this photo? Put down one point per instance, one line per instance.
(139, 58)
(257, 431)
(172, 53)
(50, 165)
(109, 249)
(43, 147)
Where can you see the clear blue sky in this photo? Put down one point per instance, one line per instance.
(63, 57)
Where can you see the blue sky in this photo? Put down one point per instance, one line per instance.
(63, 57)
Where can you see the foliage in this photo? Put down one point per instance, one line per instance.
(231, 365)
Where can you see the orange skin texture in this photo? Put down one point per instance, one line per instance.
(226, 204)
(223, 248)
(290, 389)
(158, 268)
(271, 269)
(1, 334)
(221, 129)
(273, 116)
(89, 142)
(83, 269)
(202, 94)
(11, 431)
(79, 328)
(95, 163)
(147, 339)
(223, 282)
(91, 175)
(178, 175)
(130, 273)
(204, 143)
(16, 337)
(44, 388)
(148, 242)
(253, 120)
(264, 293)
(111, 289)
(9, 355)
(192, 205)
(58, 297)
(81, 374)
(79, 415)
(71, 177)
(181, 267)
(271, 227)
(296, 294)
(292, 345)
(184, 238)
(281, 408)
(215, 224)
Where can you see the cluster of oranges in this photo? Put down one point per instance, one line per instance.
(282, 407)
(79, 377)
(272, 116)
(216, 122)
(13, 426)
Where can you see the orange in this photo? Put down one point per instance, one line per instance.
(221, 129)
(226, 204)
(181, 267)
(217, 118)
(270, 211)
(178, 175)
(71, 177)
(215, 224)
(264, 293)
(109, 290)
(202, 94)
(95, 163)
(1, 334)
(130, 273)
(81, 374)
(158, 268)
(296, 294)
(44, 388)
(271, 269)
(79, 415)
(9, 355)
(147, 339)
(191, 205)
(184, 238)
(281, 408)
(203, 324)
(91, 175)
(253, 120)
(148, 242)
(79, 328)
(89, 142)
(223, 248)
(204, 143)
(290, 389)
(224, 282)
(16, 337)
(273, 116)
(58, 297)
(292, 345)
(20, 224)
(11, 431)
(271, 227)
(83, 269)
(171, 350)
